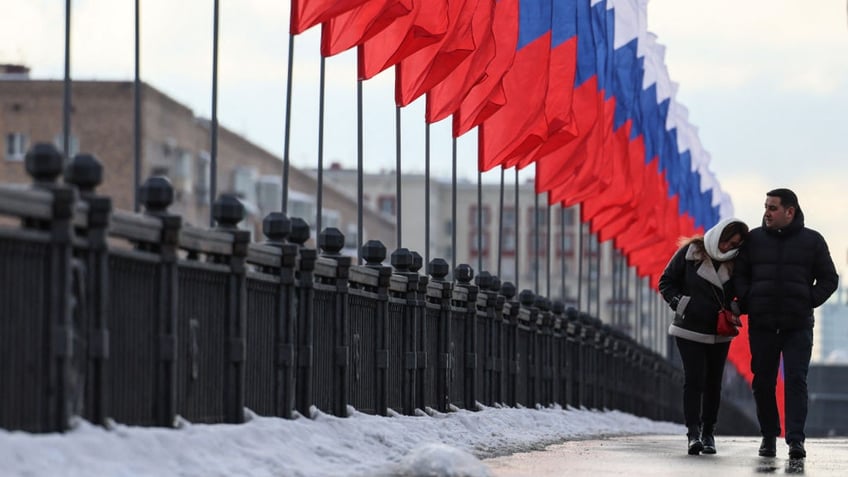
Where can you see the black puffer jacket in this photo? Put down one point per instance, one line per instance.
(693, 278)
(782, 274)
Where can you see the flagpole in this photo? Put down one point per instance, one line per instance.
(137, 112)
(453, 205)
(66, 103)
(426, 195)
(548, 250)
(398, 177)
(359, 165)
(319, 198)
(500, 221)
(535, 242)
(516, 227)
(287, 128)
(479, 221)
(562, 251)
(214, 132)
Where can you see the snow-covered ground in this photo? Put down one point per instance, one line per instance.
(437, 444)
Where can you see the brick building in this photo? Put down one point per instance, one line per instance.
(174, 143)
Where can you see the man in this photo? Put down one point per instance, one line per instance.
(782, 272)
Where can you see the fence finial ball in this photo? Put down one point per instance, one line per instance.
(299, 231)
(495, 285)
(417, 262)
(401, 259)
(156, 194)
(558, 307)
(44, 162)
(438, 268)
(228, 211)
(483, 280)
(526, 298)
(373, 252)
(331, 240)
(84, 171)
(463, 273)
(276, 226)
(508, 290)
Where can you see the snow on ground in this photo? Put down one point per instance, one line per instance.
(434, 444)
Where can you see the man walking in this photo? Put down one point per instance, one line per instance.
(783, 271)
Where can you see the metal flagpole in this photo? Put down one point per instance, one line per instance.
(137, 112)
(320, 172)
(66, 103)
(214, 132)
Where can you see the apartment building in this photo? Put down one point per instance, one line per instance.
(174, 143)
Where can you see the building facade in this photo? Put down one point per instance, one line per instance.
(503, 240)
(174, 143)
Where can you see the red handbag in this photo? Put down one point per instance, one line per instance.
(727, 324)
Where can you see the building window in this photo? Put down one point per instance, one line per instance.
(244, 183)
(531, 242)
(73, 144)
(508, 217)
(566, 217)
(269, 194)
(541, 214)
(476, 239)
(386, 204)
(203, 183)
(565, 244)
(508, 242)
(486, 215)
(16, 146)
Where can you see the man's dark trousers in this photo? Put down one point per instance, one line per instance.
(766, 349)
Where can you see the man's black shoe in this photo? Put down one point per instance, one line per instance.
(709, 443)
(768, 447)
(796, 450)
(695, 446)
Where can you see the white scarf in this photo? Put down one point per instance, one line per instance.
(711, 239)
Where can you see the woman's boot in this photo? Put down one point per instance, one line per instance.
(695, 444)
(708, 439)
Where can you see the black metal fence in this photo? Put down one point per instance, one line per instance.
(139, 319)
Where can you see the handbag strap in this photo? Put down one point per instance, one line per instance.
(720, 300)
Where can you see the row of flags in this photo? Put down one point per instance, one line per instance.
(578, 88)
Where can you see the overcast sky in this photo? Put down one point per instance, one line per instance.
(765, 82)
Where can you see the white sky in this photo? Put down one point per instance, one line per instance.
(765, 82)
(327, 446)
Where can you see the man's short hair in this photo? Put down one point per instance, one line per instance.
(786, 196)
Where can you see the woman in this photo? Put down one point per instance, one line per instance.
(696, 285)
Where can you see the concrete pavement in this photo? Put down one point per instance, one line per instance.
(665, 456)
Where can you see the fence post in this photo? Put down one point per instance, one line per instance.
(544, 350)
(370, 358)
(44, 163)
(438, 332)
(497, 338)
(276, 227)
(228, 211)
(527, 333)
(419, 345)
(157, 194)
(86, 173)
(464, 314)
(558, 358)
(574, 368)
(331, 274)
(304, 323)
(406, 290)
(510, 344)
(483, 326)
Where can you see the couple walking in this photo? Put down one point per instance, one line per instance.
(777, 274)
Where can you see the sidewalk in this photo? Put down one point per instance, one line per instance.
(665, 456)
